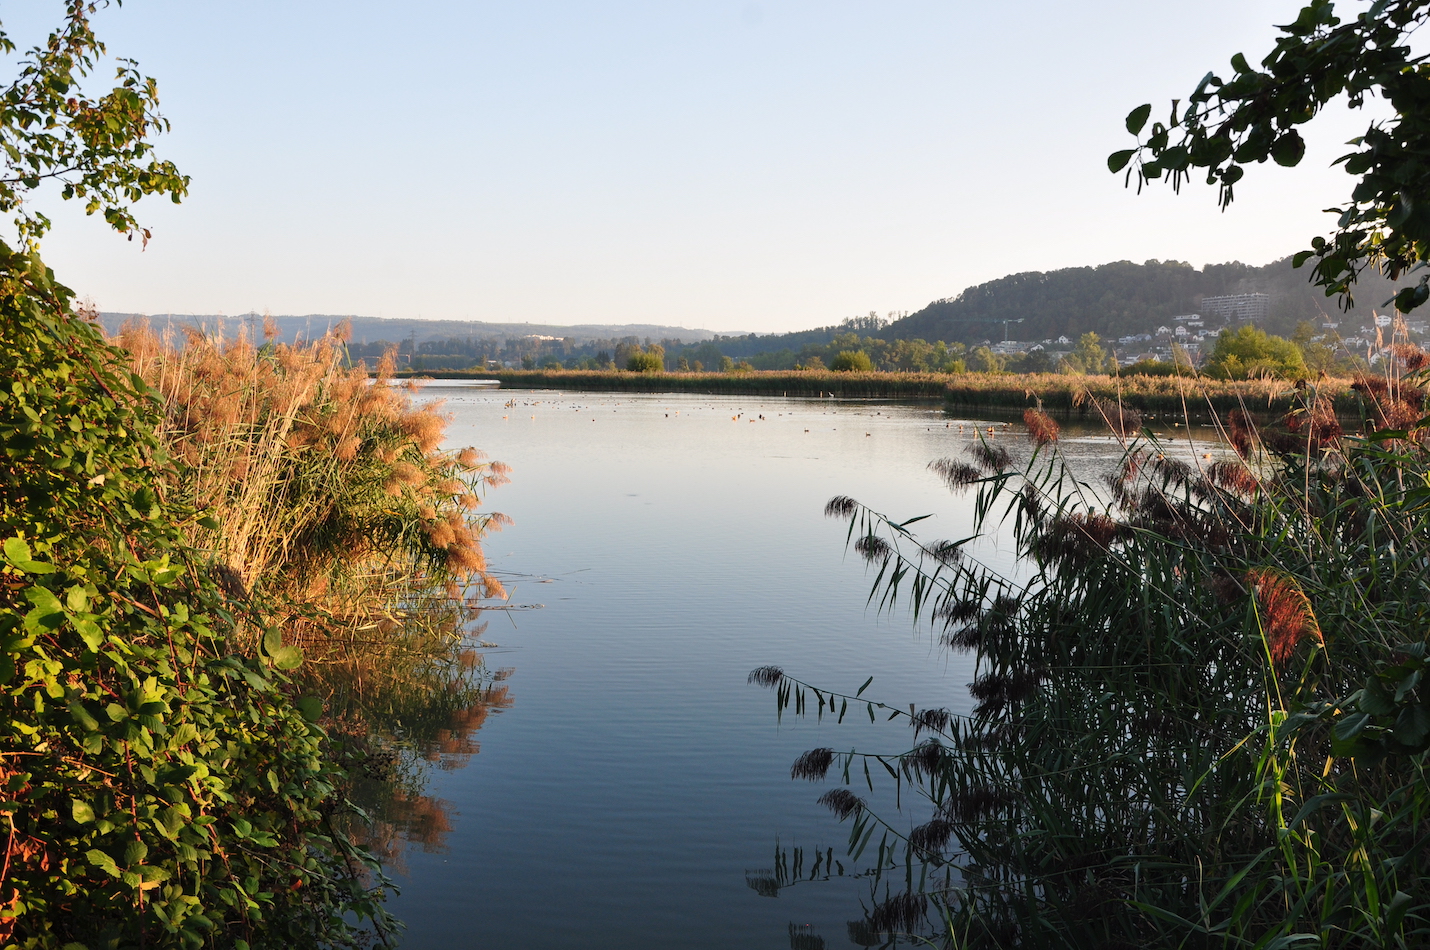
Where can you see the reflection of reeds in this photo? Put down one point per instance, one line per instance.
(413, 704)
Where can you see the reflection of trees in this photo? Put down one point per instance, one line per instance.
(404, 693)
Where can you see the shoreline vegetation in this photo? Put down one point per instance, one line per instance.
(237, 595)
(1198, 715)
(336, 508)
(1057, 393)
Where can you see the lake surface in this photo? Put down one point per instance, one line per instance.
(635, 780)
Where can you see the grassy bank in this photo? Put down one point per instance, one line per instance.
(1058, 393)
(1198, 396)
(892, 385)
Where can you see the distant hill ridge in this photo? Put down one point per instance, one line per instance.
(1123, 298)
(374, 329)
(1112, 300)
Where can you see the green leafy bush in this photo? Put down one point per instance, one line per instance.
(645, 363)
(1249, 353)
(852, 361)
(158, 789)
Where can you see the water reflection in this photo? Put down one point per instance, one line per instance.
(678, 551)
(894, 904)
(407, 696)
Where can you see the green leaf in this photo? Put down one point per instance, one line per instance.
(45, 601)
(1374, 699)
(47, 614)
(82, 812)
(1137, 118)
(1412, 726)
(1288, 150)
(864, 687)
(272, 640)
(1395, 913)
(16, 550)
(1351, 726)
(1118, 160)
(90, 633)
(82, 717)
(104, 862)
(287, 658)
(311, 707)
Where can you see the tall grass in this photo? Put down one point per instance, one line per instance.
(1054, 392)
(319, 482)
(925, 385)
(1199, 719)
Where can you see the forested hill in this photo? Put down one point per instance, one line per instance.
(1121, 298)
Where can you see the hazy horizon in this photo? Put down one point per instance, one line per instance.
(763, 166)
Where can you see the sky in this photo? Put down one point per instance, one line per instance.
(758, 166)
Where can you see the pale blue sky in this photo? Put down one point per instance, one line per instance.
(765, 165)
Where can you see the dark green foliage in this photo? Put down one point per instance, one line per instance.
(158, 790)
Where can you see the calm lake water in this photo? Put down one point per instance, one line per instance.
(636, 779)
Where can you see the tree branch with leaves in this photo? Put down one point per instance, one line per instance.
(1255, 115)
(97, 147)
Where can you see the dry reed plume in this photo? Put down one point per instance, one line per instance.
(321, 483)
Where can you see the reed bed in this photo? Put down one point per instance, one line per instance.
(1179, 395)
(765, 383)
(320, 483)
(1057, 393)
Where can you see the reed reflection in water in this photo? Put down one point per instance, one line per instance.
(409, 698)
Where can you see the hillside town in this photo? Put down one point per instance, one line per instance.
(1189, 338)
